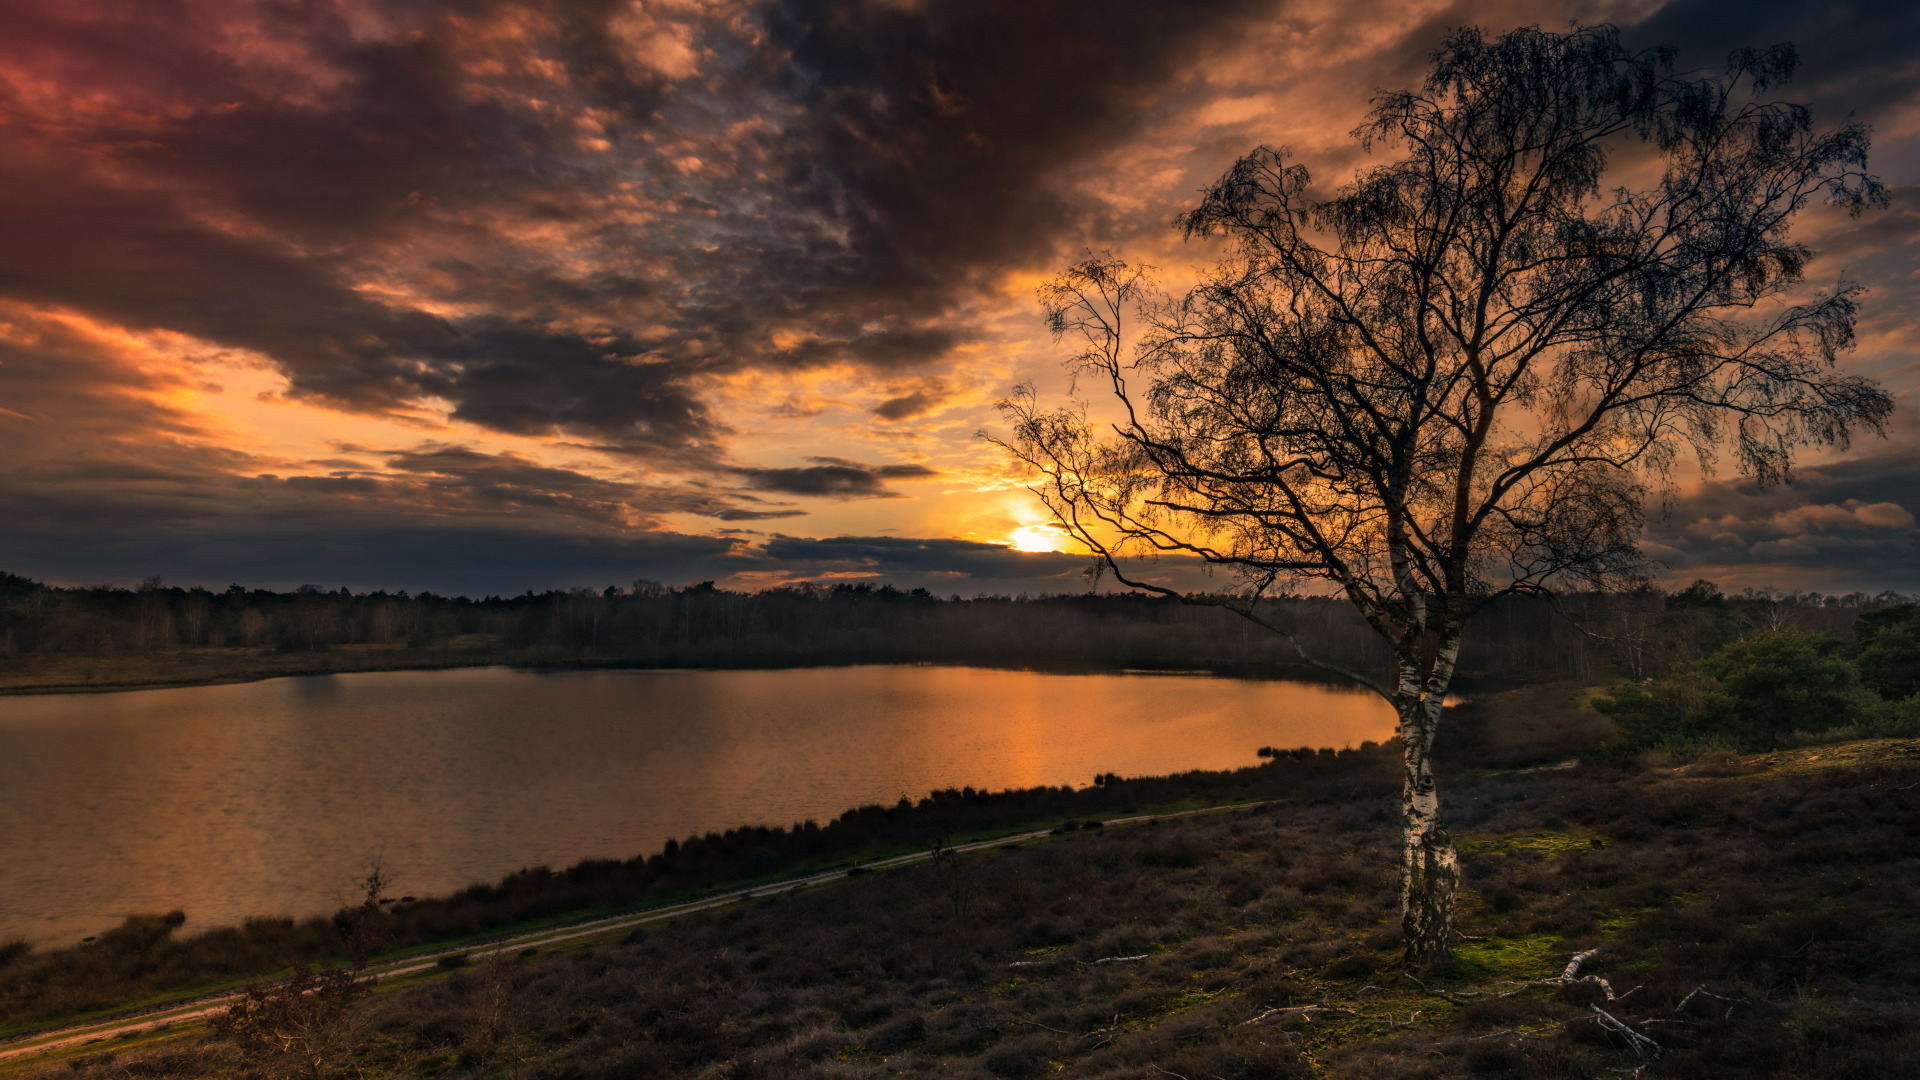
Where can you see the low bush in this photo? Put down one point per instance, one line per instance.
(1774, 688)
(1886, 650)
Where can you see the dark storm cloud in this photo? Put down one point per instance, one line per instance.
(907, 406)
(1838, 527)
(835, 478)
(318, 190)
(735, 513)
(474, 558)
(937, 125)
(835, 172)
(1856, 57)
(907, 556)
(576, 219)
(1845, 525)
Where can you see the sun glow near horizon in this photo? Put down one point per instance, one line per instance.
(1037, 538)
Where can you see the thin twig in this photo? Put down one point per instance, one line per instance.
(1113, 960)
(1305, 1009)
(1038, 1024)
(1441, 994)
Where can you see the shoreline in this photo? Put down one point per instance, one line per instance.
(1295, 953)
(15, 684)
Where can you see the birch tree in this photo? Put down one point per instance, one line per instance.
(1463, 374)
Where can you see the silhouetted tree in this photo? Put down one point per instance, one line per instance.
(1457, 377)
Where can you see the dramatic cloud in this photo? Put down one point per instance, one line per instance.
(897, 555)
(1839, 527)
(555, 216)
(835, 478)
(286, 283)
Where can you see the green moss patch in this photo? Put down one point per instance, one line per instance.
(1542, 845)
(1526, 958)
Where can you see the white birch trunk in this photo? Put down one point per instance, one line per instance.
(1429, 866)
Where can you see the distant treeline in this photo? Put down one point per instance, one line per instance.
(1581, 635)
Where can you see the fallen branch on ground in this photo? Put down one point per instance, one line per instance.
(1702, 992)
(1307, 1010)
(1571, 977)
(1573, 965)
(1642, 1046)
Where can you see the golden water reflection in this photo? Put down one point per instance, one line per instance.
(270, 797)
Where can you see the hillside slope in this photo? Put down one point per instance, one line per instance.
(1254, 944)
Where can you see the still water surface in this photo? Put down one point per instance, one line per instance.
(271, 797)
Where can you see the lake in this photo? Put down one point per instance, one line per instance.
(272, 797)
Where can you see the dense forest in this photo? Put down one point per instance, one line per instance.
(1638, 634)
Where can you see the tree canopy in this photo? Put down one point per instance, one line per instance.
(1463, 373)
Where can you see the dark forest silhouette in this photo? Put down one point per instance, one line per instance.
(203, 632)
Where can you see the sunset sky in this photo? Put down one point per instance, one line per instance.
(481, 296)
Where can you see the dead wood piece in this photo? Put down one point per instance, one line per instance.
(1118, 959)
(1304, 1010)
(1573, 966)
(1642, 1046)
(1603, 984)
(1702, 992)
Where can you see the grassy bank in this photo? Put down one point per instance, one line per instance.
(1258, 944)
(150, 959)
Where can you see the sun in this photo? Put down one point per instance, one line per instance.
(1035, 538)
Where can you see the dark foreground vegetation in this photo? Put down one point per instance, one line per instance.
(55, 638)
(1255, 944)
